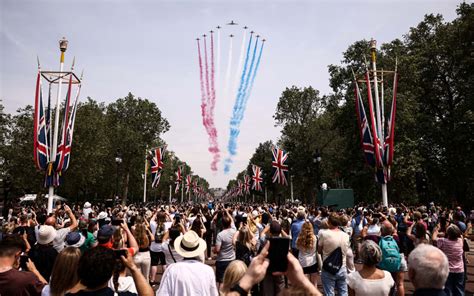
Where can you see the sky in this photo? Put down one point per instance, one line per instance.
(148, 48)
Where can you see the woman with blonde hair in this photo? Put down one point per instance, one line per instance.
(143, 236)
(64, 279)
(306, 243)
(232, 275)
(244, 243)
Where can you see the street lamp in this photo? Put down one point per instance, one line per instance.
(118, 161)
(317, 161)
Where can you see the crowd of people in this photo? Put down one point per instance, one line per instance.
(233, 249)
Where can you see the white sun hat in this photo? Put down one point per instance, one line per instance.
(189, 245)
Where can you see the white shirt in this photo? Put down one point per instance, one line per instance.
(125, 284)
(188, 278)
(156, 247)
(366, 287)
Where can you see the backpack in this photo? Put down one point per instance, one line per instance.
(391, 258)
(333, 262)
(159, 233)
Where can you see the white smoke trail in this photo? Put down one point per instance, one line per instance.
(241, 62)
(227, 91)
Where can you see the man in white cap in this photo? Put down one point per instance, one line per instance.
(190, 276)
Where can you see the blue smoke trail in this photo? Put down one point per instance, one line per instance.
(252, 81)
(239, 107)
(233, 131)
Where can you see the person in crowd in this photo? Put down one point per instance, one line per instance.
(142, 235)
(43, 254)
(86, 210)
(428, 270)
(420, 236)
(64, 278)
(296, 228)
(190, 276)
(159, 224)
(198, 226)
(333, 245)
(358, 223)
(74, 239)
(90, 240)
(258, 269)
(244, 244)
(388, 233)
(105, 238)
(452, 247)
(96, 267)
(14, 282)
(171, 256)
(62, 232)
(306, 243)
(121, 283)
(224, 247)
(234, 272)
(370, 281)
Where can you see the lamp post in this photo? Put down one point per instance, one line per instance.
(317, 162)
(118, 161)
(291, 188)
(171, 188)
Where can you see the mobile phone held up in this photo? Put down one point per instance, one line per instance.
(23, 262)
(117, 222)
(277, 254)
(119, 253)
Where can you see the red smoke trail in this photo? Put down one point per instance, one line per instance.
(212, 103)
(203, 92)
(207, 97)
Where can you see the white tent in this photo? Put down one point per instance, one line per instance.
(32, 197)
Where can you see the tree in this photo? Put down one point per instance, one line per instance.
(134, 124)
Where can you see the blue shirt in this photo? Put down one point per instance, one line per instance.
(295, 231)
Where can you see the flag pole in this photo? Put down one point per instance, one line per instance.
(373, 49)
(144, 178)
(62, 46)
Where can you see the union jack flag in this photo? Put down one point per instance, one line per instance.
(247, 184)
(389, 139)
(257, 178)
(376, 140)
(195, 187)
(278, 163)
(179, 179)
(188, 183)
(69, 131)
(156, 164)
(365, 133)
(240, 188)
(40, 144)
(63, 149)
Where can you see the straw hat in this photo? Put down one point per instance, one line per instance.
(189, 245)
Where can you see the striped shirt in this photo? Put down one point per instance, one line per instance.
(453, 250)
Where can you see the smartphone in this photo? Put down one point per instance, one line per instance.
(23, 261)
(117, 222)
(119, 253)
(277, 253)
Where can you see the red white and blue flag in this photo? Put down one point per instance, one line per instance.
(389, 139)
(364, 128)
(179, 179)
(280, 168)
(257, 178)
(188, 183)
(62, 149)
(40, 144)
(156, 157)
(240, 188)
(247, 184)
